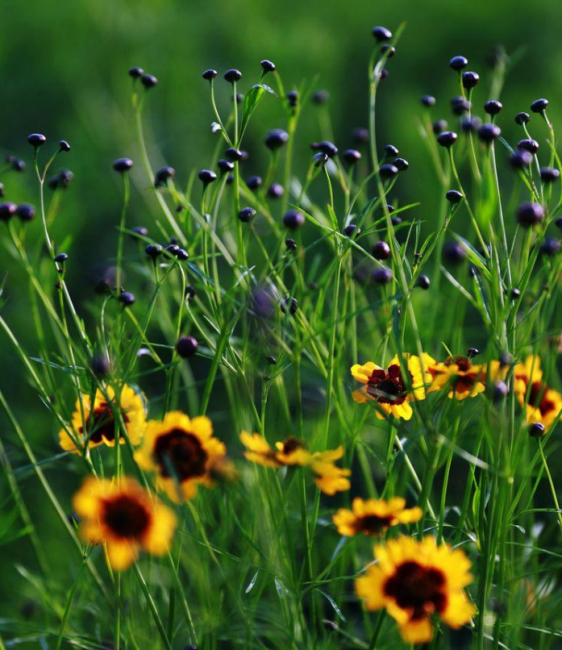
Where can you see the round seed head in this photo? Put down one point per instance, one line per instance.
(292, 98)
(401, 163)
(428, 101)
(319, 159)
(470, 124)
(127, 298)
(148, 80)
(225, 166)
(460, 105)
(233, 154)
(521, 159)
(61, 258)
(209, 74)
(100, 365)
(326, 147)
(122, 165)
(381, 250)
(276, 138)
(246, 215)
(550, 246)
(233, 75)
(289, 306)
(549, 174)
(163, 175)
(351, 156)
(153, 250)
(136, 72)
(470, 79)
(187, 346)
(182, 255)
(522, 118)
(493, 107)
(389, 50)
(25, 212)
(489, 132)
(454, 253)
(275, 191)
(539, 105)
(387, 171)
(64, 146)
(36, 140)
(321, 97)
(536, 430)
(458, 63)
(293, 219)
(207, 176)
(424, 282)
(267, 66)
(454, 196)
(439, 126)
(381, 275)
(530, 214)
(254, 182)
(140, 230)
(528, 144)
(351, 230)
(381, 34)
(7, 211)
(361, 135)
(447, 139)
(391, 150)
(291, 244)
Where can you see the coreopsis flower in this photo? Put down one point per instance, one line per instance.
(289, 452)
(124, 517)
(389, 388)
(542, 404)
(416, 581)
(460, 376)
(95, 424)
(183, 452)
(327, 476)
(374, 516)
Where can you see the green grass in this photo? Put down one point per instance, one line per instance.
(258, 563)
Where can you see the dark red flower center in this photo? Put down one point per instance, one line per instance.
(101, 423)
(538, 397)
(372, 524)
(126, 516)
(292, 444)
(463, 363)
(387, 386)
(180, 455)
(417, 588)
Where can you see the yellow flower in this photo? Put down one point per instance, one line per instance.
(183, 452)
(416, 580)
(389, 388)
(374, 516)
(94, 425)
(125, 518)
(329, 478)
(541, 403)
(289, 452)
(459, 375)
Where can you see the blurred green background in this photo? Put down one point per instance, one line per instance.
(63, 66)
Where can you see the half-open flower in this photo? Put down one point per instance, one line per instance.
(125, 517)
(393, 389)
(183, 452)
(327, 476)
(541, 403)
(374, 516)
(415, 581)
(95, 424)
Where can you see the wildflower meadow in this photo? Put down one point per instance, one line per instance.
(296, 408)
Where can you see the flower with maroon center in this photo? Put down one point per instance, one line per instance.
(393, 389)
(94, 424)
(542, 404)
(183, 452)
(460, 376)
(415, 581)
(125, 518)
(374, 516)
